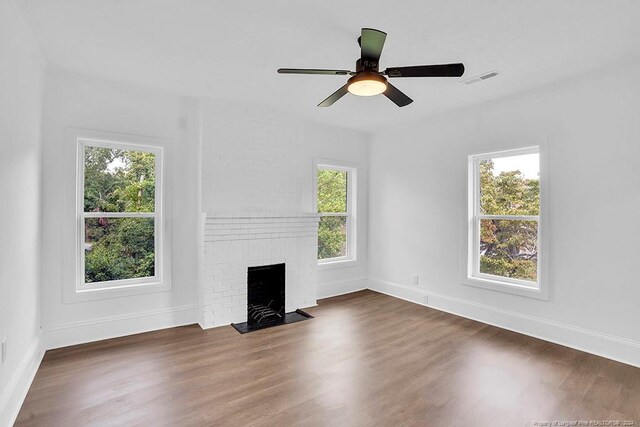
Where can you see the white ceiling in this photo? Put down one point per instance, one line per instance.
(231, 50)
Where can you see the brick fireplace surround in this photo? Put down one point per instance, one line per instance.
(232, 244)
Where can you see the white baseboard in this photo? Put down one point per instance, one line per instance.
(118, 326)
(341, 287)
(12, 396)
(598, 343)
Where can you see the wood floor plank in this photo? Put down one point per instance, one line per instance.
(366, 359)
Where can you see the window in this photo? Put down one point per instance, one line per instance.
(119, 214)
(504, 223)
(335, 203)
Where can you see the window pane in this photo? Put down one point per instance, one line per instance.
(118, 248)
(510, 185)
(332, 237)
(118, 180)
(509, 248)
(332, 190)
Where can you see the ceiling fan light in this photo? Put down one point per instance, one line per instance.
(367, 84)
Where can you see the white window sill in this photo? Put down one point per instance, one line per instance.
(505, 287)
(339, 263)
(84, 293)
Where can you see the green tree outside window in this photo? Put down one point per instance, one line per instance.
(508, 247)
(117, 181)
(333, 210)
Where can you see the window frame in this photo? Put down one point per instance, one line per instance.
(152, 281)
(350, 258)
(471, 274)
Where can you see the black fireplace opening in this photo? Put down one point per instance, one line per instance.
(265, 294)
(266, 300)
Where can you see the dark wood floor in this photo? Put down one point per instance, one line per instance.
(366, 359)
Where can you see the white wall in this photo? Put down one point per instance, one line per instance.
(257, 160)
(418, 184)
(21, 80)
(74, 101)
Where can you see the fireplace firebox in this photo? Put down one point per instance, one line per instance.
(266, 299)
(265, 296)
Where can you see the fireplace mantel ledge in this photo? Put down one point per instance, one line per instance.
(217, 215)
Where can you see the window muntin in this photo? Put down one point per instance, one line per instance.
(334, 202)
(119, 221)
(505, 218)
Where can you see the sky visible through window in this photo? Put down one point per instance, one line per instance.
(527, 164)
(115, 164)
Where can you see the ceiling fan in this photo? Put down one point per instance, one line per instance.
(368, 81)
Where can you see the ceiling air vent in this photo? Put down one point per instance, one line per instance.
(481, 77)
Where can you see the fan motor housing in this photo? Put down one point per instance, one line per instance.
(366, 65)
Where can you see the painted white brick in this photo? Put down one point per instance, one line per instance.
(234, 243)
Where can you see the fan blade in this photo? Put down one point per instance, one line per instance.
(444, 70)
(313, 71)
(371, 44)
(399, 98)
(334, 97)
